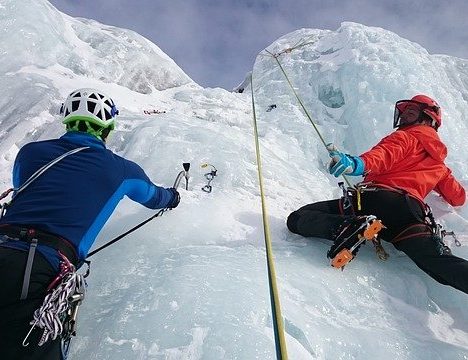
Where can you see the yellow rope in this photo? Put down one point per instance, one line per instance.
(281, 351)
(378, 246)
(303, 107)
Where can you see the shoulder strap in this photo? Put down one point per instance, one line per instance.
(43, 169)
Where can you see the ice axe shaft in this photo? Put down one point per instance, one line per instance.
(183, 174)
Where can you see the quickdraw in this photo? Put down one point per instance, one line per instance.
(209, 176)
(58, 312)
(346, 202)
(444, 233)
(438, 230)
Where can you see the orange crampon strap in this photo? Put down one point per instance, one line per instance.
(373, 229)
(346, 255)
(341, 259)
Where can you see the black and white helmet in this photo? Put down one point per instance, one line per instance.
(89, 105)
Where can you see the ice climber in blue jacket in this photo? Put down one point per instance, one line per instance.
(55, 219)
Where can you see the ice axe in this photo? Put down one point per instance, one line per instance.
(183, 174)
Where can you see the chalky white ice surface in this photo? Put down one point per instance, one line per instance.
(193, 283)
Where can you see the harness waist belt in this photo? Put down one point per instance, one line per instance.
(27, 234)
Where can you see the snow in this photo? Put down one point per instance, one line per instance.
(193, 283)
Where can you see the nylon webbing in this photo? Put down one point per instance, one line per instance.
(28, 269)
(43, 169)
(278, 327)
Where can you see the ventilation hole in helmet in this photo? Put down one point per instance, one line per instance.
(78, 94)
(95, 127)
(101, 96)
(91, 106)
(108, 103)
(93, 96)
(75, 105)
(82, 126)
(108, 116)
(71, 125)
(105, 133)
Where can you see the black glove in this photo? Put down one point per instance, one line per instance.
(175, 198)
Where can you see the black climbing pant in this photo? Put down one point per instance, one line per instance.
(397, 213)
(15, 314)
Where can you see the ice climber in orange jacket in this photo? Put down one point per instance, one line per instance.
(399, 172)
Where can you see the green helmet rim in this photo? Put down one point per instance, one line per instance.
(78, 120)
(71, 118)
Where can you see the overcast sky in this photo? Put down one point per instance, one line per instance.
(216, 41)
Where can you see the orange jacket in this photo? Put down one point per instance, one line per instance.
(412, 159)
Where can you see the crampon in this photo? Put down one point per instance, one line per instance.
(351, 235)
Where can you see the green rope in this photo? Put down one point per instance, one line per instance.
(278, 327)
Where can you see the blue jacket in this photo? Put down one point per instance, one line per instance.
(76, 196)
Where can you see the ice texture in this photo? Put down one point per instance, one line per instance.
(193, 283)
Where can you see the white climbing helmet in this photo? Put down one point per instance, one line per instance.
(91, 106)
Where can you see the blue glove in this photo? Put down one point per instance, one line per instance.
(344, 163)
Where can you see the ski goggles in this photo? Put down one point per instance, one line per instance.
(408, 112)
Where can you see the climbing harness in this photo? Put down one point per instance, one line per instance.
(427, 225)
(209, 176)
(278, 326)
